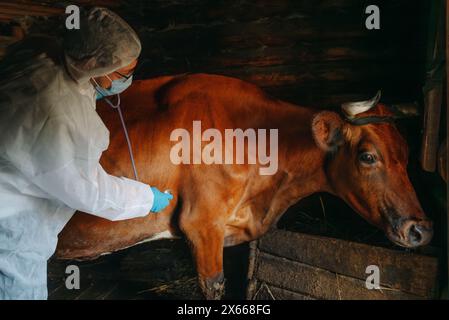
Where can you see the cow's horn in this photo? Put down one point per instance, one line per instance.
(353, 108)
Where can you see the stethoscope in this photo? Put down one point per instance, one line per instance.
(122, 120)
(128, 140)
(117, 106)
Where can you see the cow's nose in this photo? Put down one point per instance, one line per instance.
(417, 232)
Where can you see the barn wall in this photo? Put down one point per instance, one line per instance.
(315, 53)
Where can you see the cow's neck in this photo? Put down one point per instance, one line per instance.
(301, 164)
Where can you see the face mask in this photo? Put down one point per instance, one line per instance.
(117, 86)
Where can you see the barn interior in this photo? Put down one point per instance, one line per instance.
(311, 53)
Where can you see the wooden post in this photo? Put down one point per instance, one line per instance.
(447, 122)
(432, 114)
(433, 88)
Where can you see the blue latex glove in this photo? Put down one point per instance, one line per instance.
(161, 200)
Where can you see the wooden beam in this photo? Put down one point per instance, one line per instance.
(15, 10)
(319, 283)
(447, 134)
(28, 9)
(405, 271)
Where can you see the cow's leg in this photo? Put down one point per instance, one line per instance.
(206, 242)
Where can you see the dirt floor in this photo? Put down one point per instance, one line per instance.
(157, 270)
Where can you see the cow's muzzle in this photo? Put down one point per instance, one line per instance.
(411, 232)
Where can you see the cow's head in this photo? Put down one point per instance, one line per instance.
(366, 165)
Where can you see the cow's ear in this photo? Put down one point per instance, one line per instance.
(327, 129)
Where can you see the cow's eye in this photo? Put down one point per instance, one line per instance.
(367, 158)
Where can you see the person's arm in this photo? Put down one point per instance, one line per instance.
(64, 164)
(97, 192)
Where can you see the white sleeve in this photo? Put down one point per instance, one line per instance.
(61, 159)
(97, 193)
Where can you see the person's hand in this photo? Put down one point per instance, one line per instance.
(161, 200)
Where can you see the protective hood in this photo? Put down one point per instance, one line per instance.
(103, 44)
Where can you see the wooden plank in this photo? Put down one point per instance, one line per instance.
(16, 10)
(98, 290)
(299, 74)
(186, 12)
(28, 9)
(447, 134)
(300, 53)
(272, 33)
(302, 74)
(334, 97)
(6, 17)
(52, 6)
(409, 272)
(319, 283)
(270, 292)
(100, 3)
(268, 28)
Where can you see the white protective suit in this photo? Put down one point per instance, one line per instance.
(51, 140)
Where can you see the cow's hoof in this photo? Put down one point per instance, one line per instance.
(213, 288)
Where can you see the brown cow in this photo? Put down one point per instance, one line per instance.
(224, 205)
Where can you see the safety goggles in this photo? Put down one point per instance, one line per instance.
(125, 76)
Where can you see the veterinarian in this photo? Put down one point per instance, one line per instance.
(51, 140)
